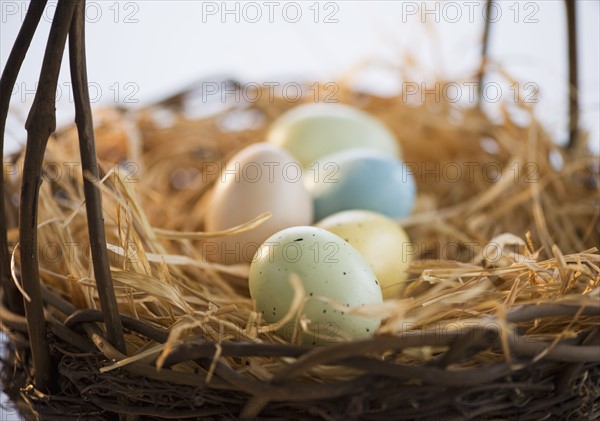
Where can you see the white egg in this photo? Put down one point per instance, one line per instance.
(312, 131)
(328, 267)
(260, 178)
(380, 240)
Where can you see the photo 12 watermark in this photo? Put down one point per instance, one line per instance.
(118, 92)
(470, 92)
(470, 171)
(526, 12)
(65, 172)
(254, 92)
(122, 12)
(270, 11)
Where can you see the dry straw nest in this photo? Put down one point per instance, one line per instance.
(499, 318)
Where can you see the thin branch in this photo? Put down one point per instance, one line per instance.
(135, 325)
(7, 81)
(41, 123)
(573, 78)
(93, 197)
(484, 51)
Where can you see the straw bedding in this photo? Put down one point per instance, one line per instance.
(499, 317)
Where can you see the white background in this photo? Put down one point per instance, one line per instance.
(139, 51)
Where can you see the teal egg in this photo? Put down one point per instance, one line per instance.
(312, 131)
(360, 179)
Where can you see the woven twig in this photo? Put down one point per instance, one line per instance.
(283, 387)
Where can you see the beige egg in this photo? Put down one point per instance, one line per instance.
(260, 178)
(380, 240)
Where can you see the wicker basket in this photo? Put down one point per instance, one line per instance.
(528, 360)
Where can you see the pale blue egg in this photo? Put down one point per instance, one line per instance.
(360, 179)
(335, 278)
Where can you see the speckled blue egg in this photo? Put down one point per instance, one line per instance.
(360, 179)
(330, 270)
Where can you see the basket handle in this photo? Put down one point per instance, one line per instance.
(89, 164)
(41, 123)
(13, 299)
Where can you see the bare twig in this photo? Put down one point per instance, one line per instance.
(40, 124)
(93, 197)
(484, 51)
(9, 77)
(573, 69)
(138, 326)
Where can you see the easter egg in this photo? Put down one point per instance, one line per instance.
(260, 178)
(312, 131)
(360, 179)
(330, 270)
(381, 241)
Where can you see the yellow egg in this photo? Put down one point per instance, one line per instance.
(380, 240)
